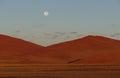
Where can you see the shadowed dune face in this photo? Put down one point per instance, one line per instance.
(87, 50)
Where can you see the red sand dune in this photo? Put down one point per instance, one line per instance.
(14, 50)
(89, 50)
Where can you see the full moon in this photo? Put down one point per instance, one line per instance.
(46, 13)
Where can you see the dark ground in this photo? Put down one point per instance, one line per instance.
(59, 71)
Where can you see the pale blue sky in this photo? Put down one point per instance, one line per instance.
(85, 16)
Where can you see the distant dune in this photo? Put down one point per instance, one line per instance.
(90, 50)
(14, 50)
(86, 50)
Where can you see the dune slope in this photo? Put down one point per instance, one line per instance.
(97, 48)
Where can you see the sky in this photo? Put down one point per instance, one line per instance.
(84, 16)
